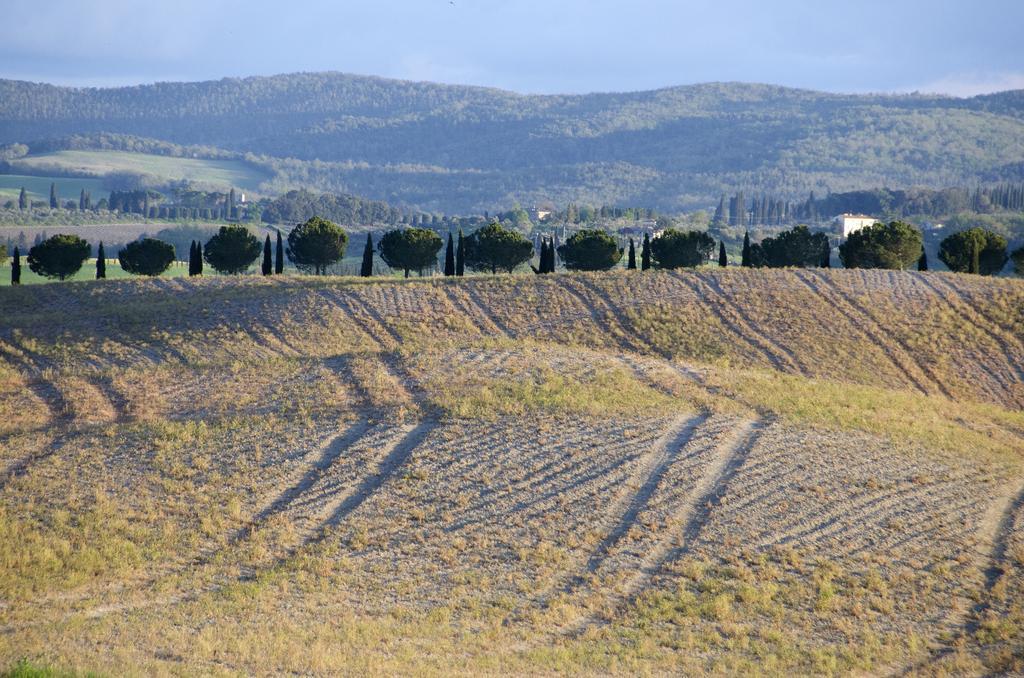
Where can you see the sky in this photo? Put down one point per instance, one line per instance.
(529, 46)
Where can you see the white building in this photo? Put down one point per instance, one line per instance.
(848, 223)
(538, 214)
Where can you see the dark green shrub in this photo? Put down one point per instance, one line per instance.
(410, 249)
(590, 250)
(232, 250)
(896, 245)
(58, 257)
(148, 256)
(316, 244)
(677, 249)
(975, 250)
(495, 248)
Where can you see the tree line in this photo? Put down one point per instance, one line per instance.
(316, 244)
(768, 210)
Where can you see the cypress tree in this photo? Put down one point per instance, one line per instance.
(551, 256)
(16, 268)
(101, 262)
(745, 257)
(22, 199)
(279, 258)
(719, 218)
(449, 257)
(199, 258)
(723, 259)
(193, 259)
(922, 263)
(975, 265)
(81, 201)
(826, 258)
(645, 253)
(631, 261)
(366, 270)
(460, 256)
(268, 262)
(53, 196)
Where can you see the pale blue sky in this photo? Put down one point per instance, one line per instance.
(958, 47)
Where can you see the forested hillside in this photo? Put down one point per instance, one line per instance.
(452, 148)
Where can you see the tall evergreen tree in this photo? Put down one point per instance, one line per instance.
(551, 255)
(745, 256)
(279, 256)
(53, 196)
(723, 259)
(826, 257)
(460, 256)
(719, 218)
(366, 270)
(267, 268)
(101, 262)
(81, 200)
(645, 253)
(922, 263)
(231, 204)
(192, 258)
(631, 260)
(22, 199)
(199, 257)
(449, 257)
(16, 267)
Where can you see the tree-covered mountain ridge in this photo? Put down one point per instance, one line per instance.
(458, 147)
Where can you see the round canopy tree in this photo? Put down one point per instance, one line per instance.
(58, 257)
(590, 250)
(974, 251)
(795, 247)
(316, 244)
(232, 249)
(676, 249)
(896, 245)
(495, 248)
(148, 256)
(410, 249)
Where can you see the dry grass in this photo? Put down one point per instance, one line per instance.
(714, 473)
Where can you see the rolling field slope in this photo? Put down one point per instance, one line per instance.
(221, 174)
(713, 472)
(38, 188)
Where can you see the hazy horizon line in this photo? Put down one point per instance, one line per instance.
(1001, 84)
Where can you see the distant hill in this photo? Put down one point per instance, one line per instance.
(456, 148)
